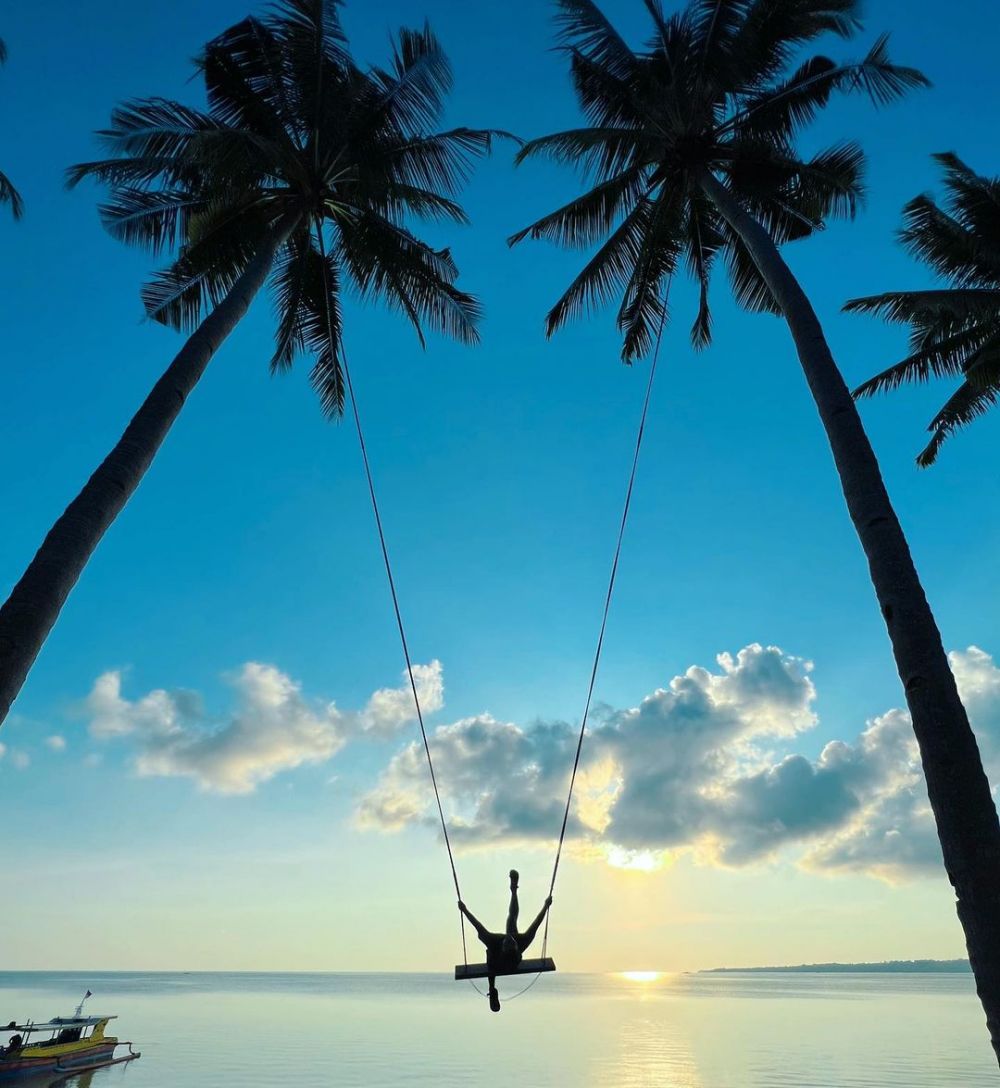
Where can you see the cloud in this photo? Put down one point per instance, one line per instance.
(706, 765)
(3, 750)
(712, 764)
(273, 727)
(504, 781)
(20, 760)
(390, 710)
(55, 743)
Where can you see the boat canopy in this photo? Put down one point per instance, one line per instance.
(59, 1022)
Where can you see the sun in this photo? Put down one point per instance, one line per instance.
(641, 976)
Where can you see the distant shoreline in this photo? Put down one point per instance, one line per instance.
(887, 967)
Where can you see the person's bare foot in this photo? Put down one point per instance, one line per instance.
(513, 880)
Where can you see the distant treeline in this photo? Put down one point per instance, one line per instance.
(889, 967)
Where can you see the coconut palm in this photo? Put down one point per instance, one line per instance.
(8, 194)
(689, 151)
(303, 170)
(954, 331)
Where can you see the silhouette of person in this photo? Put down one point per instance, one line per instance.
(504, 950)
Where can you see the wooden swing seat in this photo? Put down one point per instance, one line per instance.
(480, 970)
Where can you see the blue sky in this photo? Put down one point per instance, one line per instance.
(501, 473)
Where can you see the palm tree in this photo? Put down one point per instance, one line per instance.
(690, 154)
(303, 171)
(8, 194)
(954, 331)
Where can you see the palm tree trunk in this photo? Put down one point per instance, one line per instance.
(35, 602)
(956, 783)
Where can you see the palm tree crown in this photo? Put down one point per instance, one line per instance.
(297, 134)
(8, 194)
(954, 331)
(714, 92)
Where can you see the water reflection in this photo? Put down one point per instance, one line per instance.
(651, 1051)
(598, 1031)
(76, 1080)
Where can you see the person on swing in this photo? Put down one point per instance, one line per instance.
(504, 950)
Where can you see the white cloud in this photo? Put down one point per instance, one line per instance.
(651, 775)
(273, 728)
(709, 764)
(20, 760)
(391, 709)
(55, 743)
(703, 765)
(3, 750)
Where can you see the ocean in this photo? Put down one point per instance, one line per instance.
(580, 1031)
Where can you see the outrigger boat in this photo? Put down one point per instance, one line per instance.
(73, 1044)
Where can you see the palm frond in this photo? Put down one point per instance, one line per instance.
(153, 219)
(327, 374)
(310, 34)
(412, 95)
(607, 273)
(320, 324)
(10, 195)
(643, 310)
(974, 200)
(443, 160)
(715, 23)
(606, 99)
(585, 30)
(155, 128)
(423, 203)
(288, 288)
(787, 106)
(945, 358)
(702, 244)
(665, 27)
(133, 172)
(584, 220)
(773, 31)
(974, 398)
(963, 256)
(960, 305)
(749, 287)
(830, 185)
(600, 152)
(883, 81)
(247, 87)
(224, 239)
(386, 261)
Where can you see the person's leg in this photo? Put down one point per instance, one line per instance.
(493, 994)
(513, 911)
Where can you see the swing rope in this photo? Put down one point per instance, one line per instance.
(607, 608)
(332, 342)
(389, 575)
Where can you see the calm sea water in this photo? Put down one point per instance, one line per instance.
(571, 1031)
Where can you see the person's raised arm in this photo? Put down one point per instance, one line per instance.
(481, 930)
(529, 933)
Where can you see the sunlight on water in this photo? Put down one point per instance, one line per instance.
(636, 1029)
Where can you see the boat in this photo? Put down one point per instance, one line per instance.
(65, 1044)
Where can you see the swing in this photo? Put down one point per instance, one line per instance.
(465, 971)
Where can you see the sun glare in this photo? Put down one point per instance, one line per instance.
(642, 976)
(643, 861)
